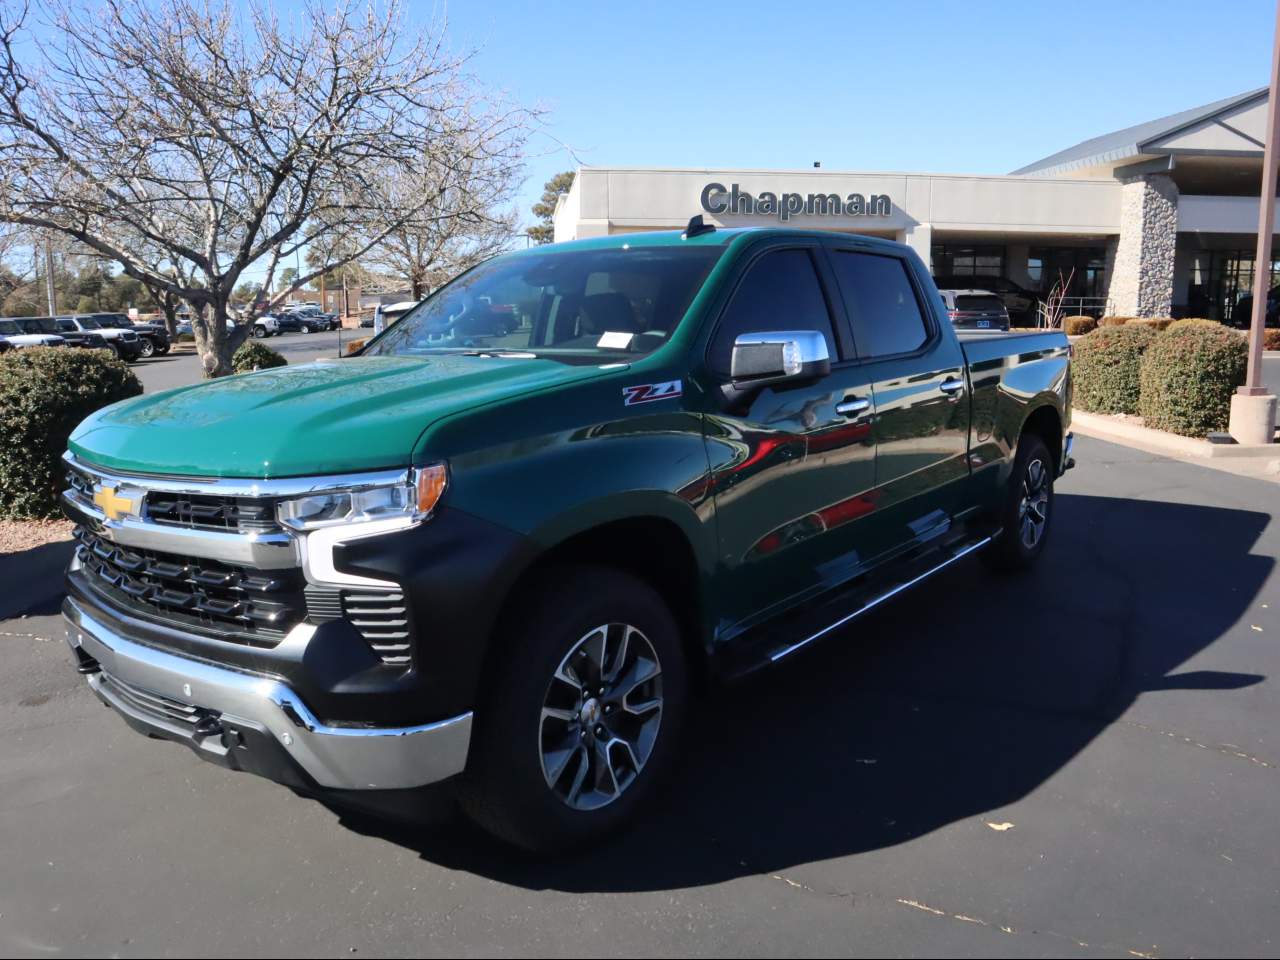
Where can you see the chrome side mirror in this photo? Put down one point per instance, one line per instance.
(774, 357)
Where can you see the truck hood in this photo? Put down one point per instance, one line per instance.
(333, 416)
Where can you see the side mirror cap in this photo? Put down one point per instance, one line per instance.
(777, 357)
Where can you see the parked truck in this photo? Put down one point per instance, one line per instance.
(510, 541)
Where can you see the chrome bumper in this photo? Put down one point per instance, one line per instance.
(172, 695)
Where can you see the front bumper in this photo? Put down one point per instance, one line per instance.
(1068, 461)
(255, 722)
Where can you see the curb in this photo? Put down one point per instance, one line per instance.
(1102, 427)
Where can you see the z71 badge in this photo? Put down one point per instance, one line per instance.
(645, 392)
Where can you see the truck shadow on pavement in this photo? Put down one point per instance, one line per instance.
(955, 700)
(33, 580)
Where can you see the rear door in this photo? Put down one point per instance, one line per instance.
(793, 467)
(916, 369)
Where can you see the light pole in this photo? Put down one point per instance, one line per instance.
(1253, 409)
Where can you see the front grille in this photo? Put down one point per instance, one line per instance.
(240, 604)
(211, 512)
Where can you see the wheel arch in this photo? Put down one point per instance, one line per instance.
(651, 546)
(1045, 422)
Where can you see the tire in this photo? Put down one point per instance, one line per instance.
(147, 349)
(259, 333)
(525, 763)
(1029, 495)
(306, 328)
(115, 350)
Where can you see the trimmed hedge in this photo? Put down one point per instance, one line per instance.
(1114, 321)
(44, 393)
(1079, 326)
(251, 356)
(1188, 376)
(1106, 366)
(1159, 324)
(1271, 340)
(1194, 322)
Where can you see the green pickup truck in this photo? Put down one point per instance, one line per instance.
(508, 542)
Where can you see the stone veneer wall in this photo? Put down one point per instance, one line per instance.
(1142, 275)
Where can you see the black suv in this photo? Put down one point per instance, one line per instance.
(153, 337)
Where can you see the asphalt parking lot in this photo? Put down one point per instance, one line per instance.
(180, 368)
(1079, 762)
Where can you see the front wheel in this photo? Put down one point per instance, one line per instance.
(148, 349)
(1027, 509)
(259, 333)
(582, 715)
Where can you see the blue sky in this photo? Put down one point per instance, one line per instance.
(972, 87)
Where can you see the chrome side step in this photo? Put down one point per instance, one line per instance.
(875, 602)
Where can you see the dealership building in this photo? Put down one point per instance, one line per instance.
(1156, 219)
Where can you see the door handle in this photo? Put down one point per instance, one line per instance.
(951, 385)
(853, 406)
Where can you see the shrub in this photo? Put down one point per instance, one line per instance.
(44, 394)
(252, 355)
(1194, 322)
(1156, 323)
(1188, 377)
(1105, 368)
(1114, 321)
(1271, 340)
(1078, 326)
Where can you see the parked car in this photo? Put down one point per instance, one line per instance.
(15, 336)
(73, 337)
(512, 559)
(1020, 302)
(309, 319)
(977, 309)
(126, 344)
(153, 337)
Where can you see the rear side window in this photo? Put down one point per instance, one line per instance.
(882, 303)
(779, 292)
(984, 304)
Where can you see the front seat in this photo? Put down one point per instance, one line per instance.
(610, 312)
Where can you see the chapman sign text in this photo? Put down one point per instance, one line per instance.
(716, 199)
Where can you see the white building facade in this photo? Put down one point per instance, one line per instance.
(1155, 220)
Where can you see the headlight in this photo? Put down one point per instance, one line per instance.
(413, 499)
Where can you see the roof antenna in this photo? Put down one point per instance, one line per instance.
(697, 228)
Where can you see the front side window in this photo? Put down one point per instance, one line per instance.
(66, 326)
(576, 306)
(882, 303)
(780, 291)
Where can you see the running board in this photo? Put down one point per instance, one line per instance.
(956, 554)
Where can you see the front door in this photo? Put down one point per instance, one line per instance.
(793, 467)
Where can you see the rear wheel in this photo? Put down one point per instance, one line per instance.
(581, 717)
(1027, 509)
(259, 332)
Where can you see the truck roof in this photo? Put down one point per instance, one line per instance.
(720, 236)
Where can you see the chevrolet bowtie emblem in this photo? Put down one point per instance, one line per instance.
(114, 504)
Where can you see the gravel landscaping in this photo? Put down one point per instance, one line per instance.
(19, 535)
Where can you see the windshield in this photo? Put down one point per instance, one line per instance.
(88, 323)
(579, 304)
(38, 325)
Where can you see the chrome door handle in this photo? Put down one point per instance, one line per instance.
(951, 386)
(849, 408)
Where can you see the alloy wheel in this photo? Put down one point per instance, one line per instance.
(1033, 508)
(600, 716)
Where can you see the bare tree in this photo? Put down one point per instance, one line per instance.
(191, 139)
(428, 251)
